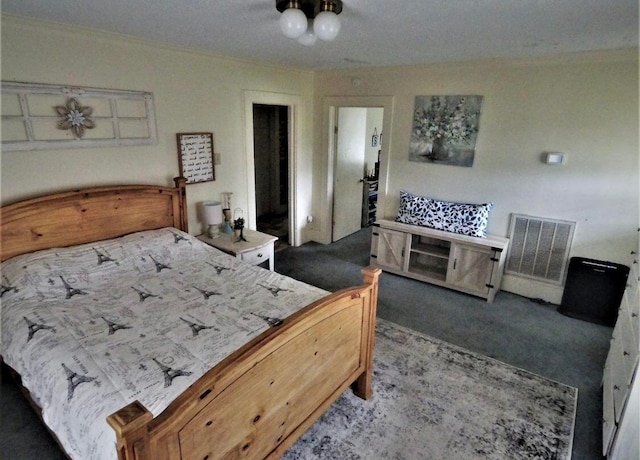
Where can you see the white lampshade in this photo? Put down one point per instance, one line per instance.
(308, 38)
(293, 22)
(213, 212)
(213, 217)
(326, 25)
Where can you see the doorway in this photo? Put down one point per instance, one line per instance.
(292, 104)
(357, 166)
(271, 170)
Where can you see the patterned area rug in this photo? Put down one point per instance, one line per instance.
(436, 401)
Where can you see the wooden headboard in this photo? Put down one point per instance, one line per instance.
(90, 214)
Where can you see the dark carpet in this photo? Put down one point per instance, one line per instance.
(513, 329)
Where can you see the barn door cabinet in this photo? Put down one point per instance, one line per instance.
(465, 263)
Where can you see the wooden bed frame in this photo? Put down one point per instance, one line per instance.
(257, 402)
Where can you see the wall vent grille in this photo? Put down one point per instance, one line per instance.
(539, 248)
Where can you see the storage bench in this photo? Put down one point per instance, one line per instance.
(468, 264)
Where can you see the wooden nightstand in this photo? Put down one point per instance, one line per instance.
(257, 249)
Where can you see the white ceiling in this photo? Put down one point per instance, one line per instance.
(374, 32)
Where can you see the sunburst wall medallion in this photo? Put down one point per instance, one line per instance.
(75, 117)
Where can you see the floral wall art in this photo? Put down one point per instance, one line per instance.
(445, 129)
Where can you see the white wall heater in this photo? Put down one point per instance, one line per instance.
(539, 248)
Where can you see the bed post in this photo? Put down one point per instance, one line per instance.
(181, 183)
(130, 424)
(362, 386)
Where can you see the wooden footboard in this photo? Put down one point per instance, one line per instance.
(257, 402)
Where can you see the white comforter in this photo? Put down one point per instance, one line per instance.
(94, 327)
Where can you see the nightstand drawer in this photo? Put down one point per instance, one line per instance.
(256, 256)
(254, 249)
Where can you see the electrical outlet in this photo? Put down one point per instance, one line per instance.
(309, 219)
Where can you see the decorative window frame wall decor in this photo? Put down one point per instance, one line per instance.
(43, 117)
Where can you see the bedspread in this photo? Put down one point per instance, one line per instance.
(97, 326)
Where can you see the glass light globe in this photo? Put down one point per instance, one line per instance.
(308, 38)
(326, 25)
(293, 22)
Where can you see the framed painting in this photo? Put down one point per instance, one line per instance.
(445, 129)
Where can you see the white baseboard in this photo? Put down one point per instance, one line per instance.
(532, 289)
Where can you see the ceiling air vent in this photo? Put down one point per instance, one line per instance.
(539, 248)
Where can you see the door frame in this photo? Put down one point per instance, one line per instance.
(292, 102)
(330, 108)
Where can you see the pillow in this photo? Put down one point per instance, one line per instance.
(463, 218)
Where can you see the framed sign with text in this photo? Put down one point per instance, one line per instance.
(195, 156)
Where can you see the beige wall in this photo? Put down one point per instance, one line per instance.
(192, 92)
(583, 105)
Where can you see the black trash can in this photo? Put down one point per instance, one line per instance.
(593, 290)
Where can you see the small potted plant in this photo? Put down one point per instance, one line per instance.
(238, 226)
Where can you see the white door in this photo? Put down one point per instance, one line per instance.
(349, 171)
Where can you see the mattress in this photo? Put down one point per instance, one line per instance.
(94, 327)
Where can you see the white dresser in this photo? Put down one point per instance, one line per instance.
(621, 380)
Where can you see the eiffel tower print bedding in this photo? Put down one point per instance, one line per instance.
(141, 317)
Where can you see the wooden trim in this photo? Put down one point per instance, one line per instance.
(363, 386)
(90, 214)
(180, 204)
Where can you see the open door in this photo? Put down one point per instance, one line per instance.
(349, 171)
(383, 107)
(356, 155)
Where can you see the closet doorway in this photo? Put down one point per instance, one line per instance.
(271, 169)
(282, 103)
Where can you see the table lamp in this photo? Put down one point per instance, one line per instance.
(213, 217)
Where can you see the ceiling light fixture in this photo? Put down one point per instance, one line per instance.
(308, 20)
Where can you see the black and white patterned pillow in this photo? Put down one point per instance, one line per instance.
(463, 218)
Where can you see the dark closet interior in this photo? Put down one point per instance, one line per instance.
(271, 159)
